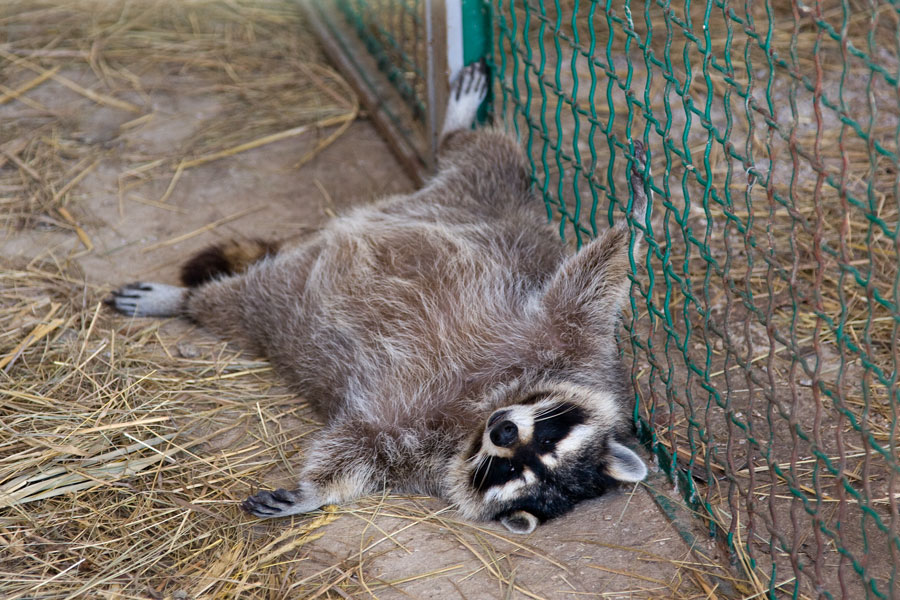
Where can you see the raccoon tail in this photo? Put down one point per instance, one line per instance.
(228, 258)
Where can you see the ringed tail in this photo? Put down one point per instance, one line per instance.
(228, 258)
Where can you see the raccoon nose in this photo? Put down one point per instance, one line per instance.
(504, 434)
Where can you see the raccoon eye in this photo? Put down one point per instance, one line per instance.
(554, 424)
(548, 442)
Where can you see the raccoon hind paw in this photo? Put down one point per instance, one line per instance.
(467, 92)
(146, 299)
(643, 191)
(278, 503)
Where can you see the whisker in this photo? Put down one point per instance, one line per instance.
(474, 457)
(554, 411)
(487, 470)
(542, 414)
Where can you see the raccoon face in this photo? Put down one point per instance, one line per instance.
(535, 459)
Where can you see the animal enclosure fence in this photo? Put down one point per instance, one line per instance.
(764, 328)
(401, 55)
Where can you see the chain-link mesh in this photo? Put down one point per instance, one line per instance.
(394, 31)
(764, 329)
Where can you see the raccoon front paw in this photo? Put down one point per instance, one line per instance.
(142, 299)
(467, 92)
(640, 160)
(279, 503)
(643, 192)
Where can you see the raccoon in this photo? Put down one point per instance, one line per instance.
(448, 340)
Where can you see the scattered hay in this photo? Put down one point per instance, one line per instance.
(266, 91)
(144, 454)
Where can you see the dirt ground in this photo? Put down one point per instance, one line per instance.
(620, 546)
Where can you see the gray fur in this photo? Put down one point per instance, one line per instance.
(408, 323)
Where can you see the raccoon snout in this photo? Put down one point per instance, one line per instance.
(504, 434)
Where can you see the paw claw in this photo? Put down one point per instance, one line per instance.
(472, 79)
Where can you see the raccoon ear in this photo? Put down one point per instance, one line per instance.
(520, 522)
(588, 289)
(623, 464)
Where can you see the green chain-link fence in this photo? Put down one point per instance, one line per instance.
(765, 324)
(396, 34)
(765, 331)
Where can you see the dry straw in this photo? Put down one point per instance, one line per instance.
(120, 461)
